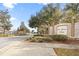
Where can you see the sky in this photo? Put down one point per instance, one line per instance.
(21, 12)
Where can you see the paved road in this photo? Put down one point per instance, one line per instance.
(15, 46)
(4, 41)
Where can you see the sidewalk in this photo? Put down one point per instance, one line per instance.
(53, 45)
(20, 48)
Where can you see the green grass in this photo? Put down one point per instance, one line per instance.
(6, 35)
(66, 52)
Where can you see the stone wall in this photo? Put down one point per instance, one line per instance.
(63, 29)
(77, 30)
(50, 30)
(1, 30)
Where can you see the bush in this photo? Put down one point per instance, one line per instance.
(59, 37)
(48, 38)
(42, 35)
(40, 39)
(39, 35)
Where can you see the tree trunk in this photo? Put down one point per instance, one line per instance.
(38, 30)
(4, 31)
(53, 28)
(73, 29)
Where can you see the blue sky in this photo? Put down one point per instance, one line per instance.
(21, 12)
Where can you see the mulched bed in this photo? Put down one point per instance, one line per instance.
(66, 52)
(66, 42)
(76, 42)
(70, 41)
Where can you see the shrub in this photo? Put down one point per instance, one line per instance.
(42, 35)
(59, 37)
(40, 39)
(39, 35)
(48, 38)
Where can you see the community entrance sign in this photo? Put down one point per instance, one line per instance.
(63, 29)
(77, 30)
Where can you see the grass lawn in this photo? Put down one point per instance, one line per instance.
(6, 35)
(66, 52)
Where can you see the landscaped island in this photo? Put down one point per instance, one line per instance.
(66, 52)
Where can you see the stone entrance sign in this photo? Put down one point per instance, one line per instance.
(77, 30)
(63, 29)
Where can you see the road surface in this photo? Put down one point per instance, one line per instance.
(15, 46)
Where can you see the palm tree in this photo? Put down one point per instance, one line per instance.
(71, 15)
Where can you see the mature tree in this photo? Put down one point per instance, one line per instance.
(71, 15)
(22, 29)
(4, 20)
(35, 22)
(48, 16)
(51, 14)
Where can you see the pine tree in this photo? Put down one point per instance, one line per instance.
(22, 29)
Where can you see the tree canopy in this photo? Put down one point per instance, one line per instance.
(52, 14)
(22, 29)
(5, 20)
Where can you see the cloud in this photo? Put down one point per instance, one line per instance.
(12, 19)
(44, 3)
(9, 5)
(14, 22)
(39, 1)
